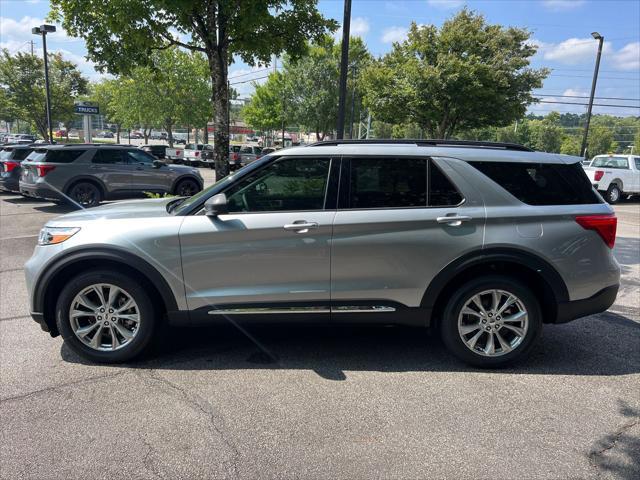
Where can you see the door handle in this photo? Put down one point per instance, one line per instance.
(301, 226)
(454, 221)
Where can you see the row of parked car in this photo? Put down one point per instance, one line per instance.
(86, 174)
(614, 176)
(203, 154)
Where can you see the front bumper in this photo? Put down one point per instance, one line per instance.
(39, 191)
(597, 303)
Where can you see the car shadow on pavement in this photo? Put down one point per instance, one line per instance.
(604, 344)
(60, 208)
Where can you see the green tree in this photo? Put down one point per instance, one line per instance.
(571, 145)
(104, 94)
(546, 135)
(467, 74)
(22, 80)
(120, 34)
(266, 110)
(600, 141)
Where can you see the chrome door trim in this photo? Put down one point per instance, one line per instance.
(299, 309)
(268, 310)
(362, 309)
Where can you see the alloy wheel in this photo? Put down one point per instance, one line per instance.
(493, 323)
(104, 317)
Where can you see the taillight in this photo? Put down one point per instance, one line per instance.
(9, 165)
(44, 169)
(598, 175)
(197, 153)
(235, 156)
(605, 225)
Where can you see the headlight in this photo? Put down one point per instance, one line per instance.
(53, 235)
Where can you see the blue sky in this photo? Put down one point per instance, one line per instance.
(561, 29)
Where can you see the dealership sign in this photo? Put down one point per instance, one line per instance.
(87, 109)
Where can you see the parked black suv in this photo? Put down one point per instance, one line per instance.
(89, 173)
(11, 157)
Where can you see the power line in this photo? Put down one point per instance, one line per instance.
(250, 80)
(595, 104)
(588, 76)
(251, 73)
(584, 96)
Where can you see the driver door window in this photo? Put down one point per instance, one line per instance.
(288, 184)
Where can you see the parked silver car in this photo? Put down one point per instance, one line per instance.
(485, 242)
(89, 173)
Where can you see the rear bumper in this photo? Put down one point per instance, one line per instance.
(8, 183)
(38, 191)
(599, 302)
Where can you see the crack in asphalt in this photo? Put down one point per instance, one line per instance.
(148, 462)
(595, 456)
(52, 388)
(202, 405)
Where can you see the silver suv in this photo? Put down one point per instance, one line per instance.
(483, 242)
(87, 174)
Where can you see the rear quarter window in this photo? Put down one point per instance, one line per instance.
(59, 156)
(542, 183)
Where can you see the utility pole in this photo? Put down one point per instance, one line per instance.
(32, 45)
(344, 65)
(43, 30)
(600, 38)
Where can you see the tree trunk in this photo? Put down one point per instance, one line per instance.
(167, 127)
(117, 133)
(145, 133)
(218, 63)
(205, 134)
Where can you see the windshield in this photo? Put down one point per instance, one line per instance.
(610, 162)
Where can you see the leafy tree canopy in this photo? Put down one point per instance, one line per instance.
(22, 81)
(467, 74)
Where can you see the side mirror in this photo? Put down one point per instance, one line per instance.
(158, 163)
(216, 205)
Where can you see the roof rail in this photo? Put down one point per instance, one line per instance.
(428, 143)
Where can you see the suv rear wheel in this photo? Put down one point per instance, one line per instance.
(187, 187)
(86, 194)
(491, 321)
(105, 316)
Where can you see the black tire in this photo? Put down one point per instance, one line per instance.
(449, 322)
(148, 325)
(613, 194)
(85, 194)
(187, 187)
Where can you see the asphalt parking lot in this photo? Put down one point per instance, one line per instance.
(331, 403)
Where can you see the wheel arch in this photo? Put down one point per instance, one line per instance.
(618, 182)
(51, 283)
(535, 272)
(89, 179)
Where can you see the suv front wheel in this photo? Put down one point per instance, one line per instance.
(105, 316)
(491, 321)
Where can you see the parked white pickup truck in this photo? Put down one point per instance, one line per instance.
(175, 155)
(615, 176)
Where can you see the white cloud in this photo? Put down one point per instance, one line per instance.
(557, 5)
(573, 51)
(446, 4)
(628, 57)
(20, 30)
(394, 34)
(359, 28)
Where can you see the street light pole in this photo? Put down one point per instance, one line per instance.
(344, 65)
(43, 30)
(583, 149)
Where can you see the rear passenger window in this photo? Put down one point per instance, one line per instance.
(442, 193)
(540, 183)
(21, 153)
(109, 156)
(388, 182)
(63, 155)
(637, 160)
